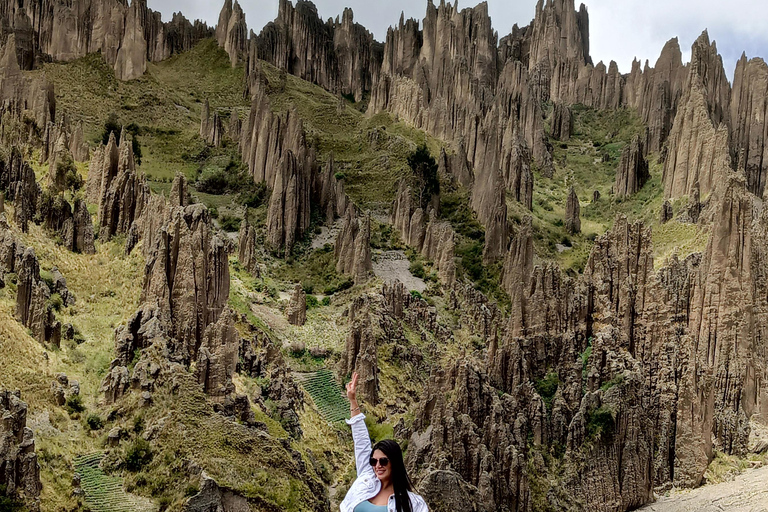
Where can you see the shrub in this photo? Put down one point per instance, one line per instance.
(191, 490)
(138, 455)
(599, 421)
(547, 387)
(138, 424)
(94, 421)
(326, 301)
(56, 302)
(7, 503)
(417, 269)
(75, 404)
(416, 295)
(230, 223)
(312, 302)
(425, 181)
(297, 348)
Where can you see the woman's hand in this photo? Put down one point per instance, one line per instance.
(352, 389)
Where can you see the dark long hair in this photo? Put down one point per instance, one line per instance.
(400, 480)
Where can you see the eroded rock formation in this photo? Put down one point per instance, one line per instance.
(211, 127)
(32, 300)
(360, 352)
(120, 191)
(20, 477)
(128, 36)
(433, 238)
(698, 142)
(247, 251)
(339, 55)
(296, 311)
(232, 31)
(275, 150)
(353, 246)
(572, 213)
(749, 102)
(562, 122)
(633, 170)
(217, 357)
(17, 180)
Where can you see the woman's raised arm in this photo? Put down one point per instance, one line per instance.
(359, 430)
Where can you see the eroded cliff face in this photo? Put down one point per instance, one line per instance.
(433, 238)
(698, 146)
(127, 36)
(276, 151)
(21, 472)
(339, 55)
(232, 31)
(749, 101)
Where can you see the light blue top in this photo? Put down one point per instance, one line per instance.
(367, 506)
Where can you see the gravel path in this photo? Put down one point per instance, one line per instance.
(748, 492)
(394, 266)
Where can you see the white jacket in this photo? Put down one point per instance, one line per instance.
(367, 485)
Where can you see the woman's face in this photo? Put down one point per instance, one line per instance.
(383, 473)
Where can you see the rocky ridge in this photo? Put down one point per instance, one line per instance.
(128, 36)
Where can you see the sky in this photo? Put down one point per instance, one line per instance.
(620, 30)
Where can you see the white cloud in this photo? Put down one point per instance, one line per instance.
(620, 29)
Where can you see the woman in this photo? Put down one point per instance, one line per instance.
(382, 484)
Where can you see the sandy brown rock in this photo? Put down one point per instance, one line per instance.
(126, 35)
(344, 59)
(32, 309)
(633, 170)
(247, 250)
(749, 101)
(217, 357)
(211, 127)
(562, 122)
(360, 352)
(296, 311)
(187, 277)
(18, 180)
(20, 93)
(353, 246)
(232, 31)
(21, 471)
(698, 142)
(433, 238)
(666, 212)
(275, 149)
(572, 213)
(329, 193)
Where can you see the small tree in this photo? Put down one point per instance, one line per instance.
(112, 125)
(426, 183)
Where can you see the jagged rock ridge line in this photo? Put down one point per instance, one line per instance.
(127, 36)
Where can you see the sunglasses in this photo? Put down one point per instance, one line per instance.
(382, 461)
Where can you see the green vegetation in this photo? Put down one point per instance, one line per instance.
(617, 380)
(316, 271)
(75, 404)
(547, 387)
(600, 422)
(138, 455)
(327, 395)
(104, 493)
(94, 421)
(8, 504)
(424, 180)
(370, 152)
